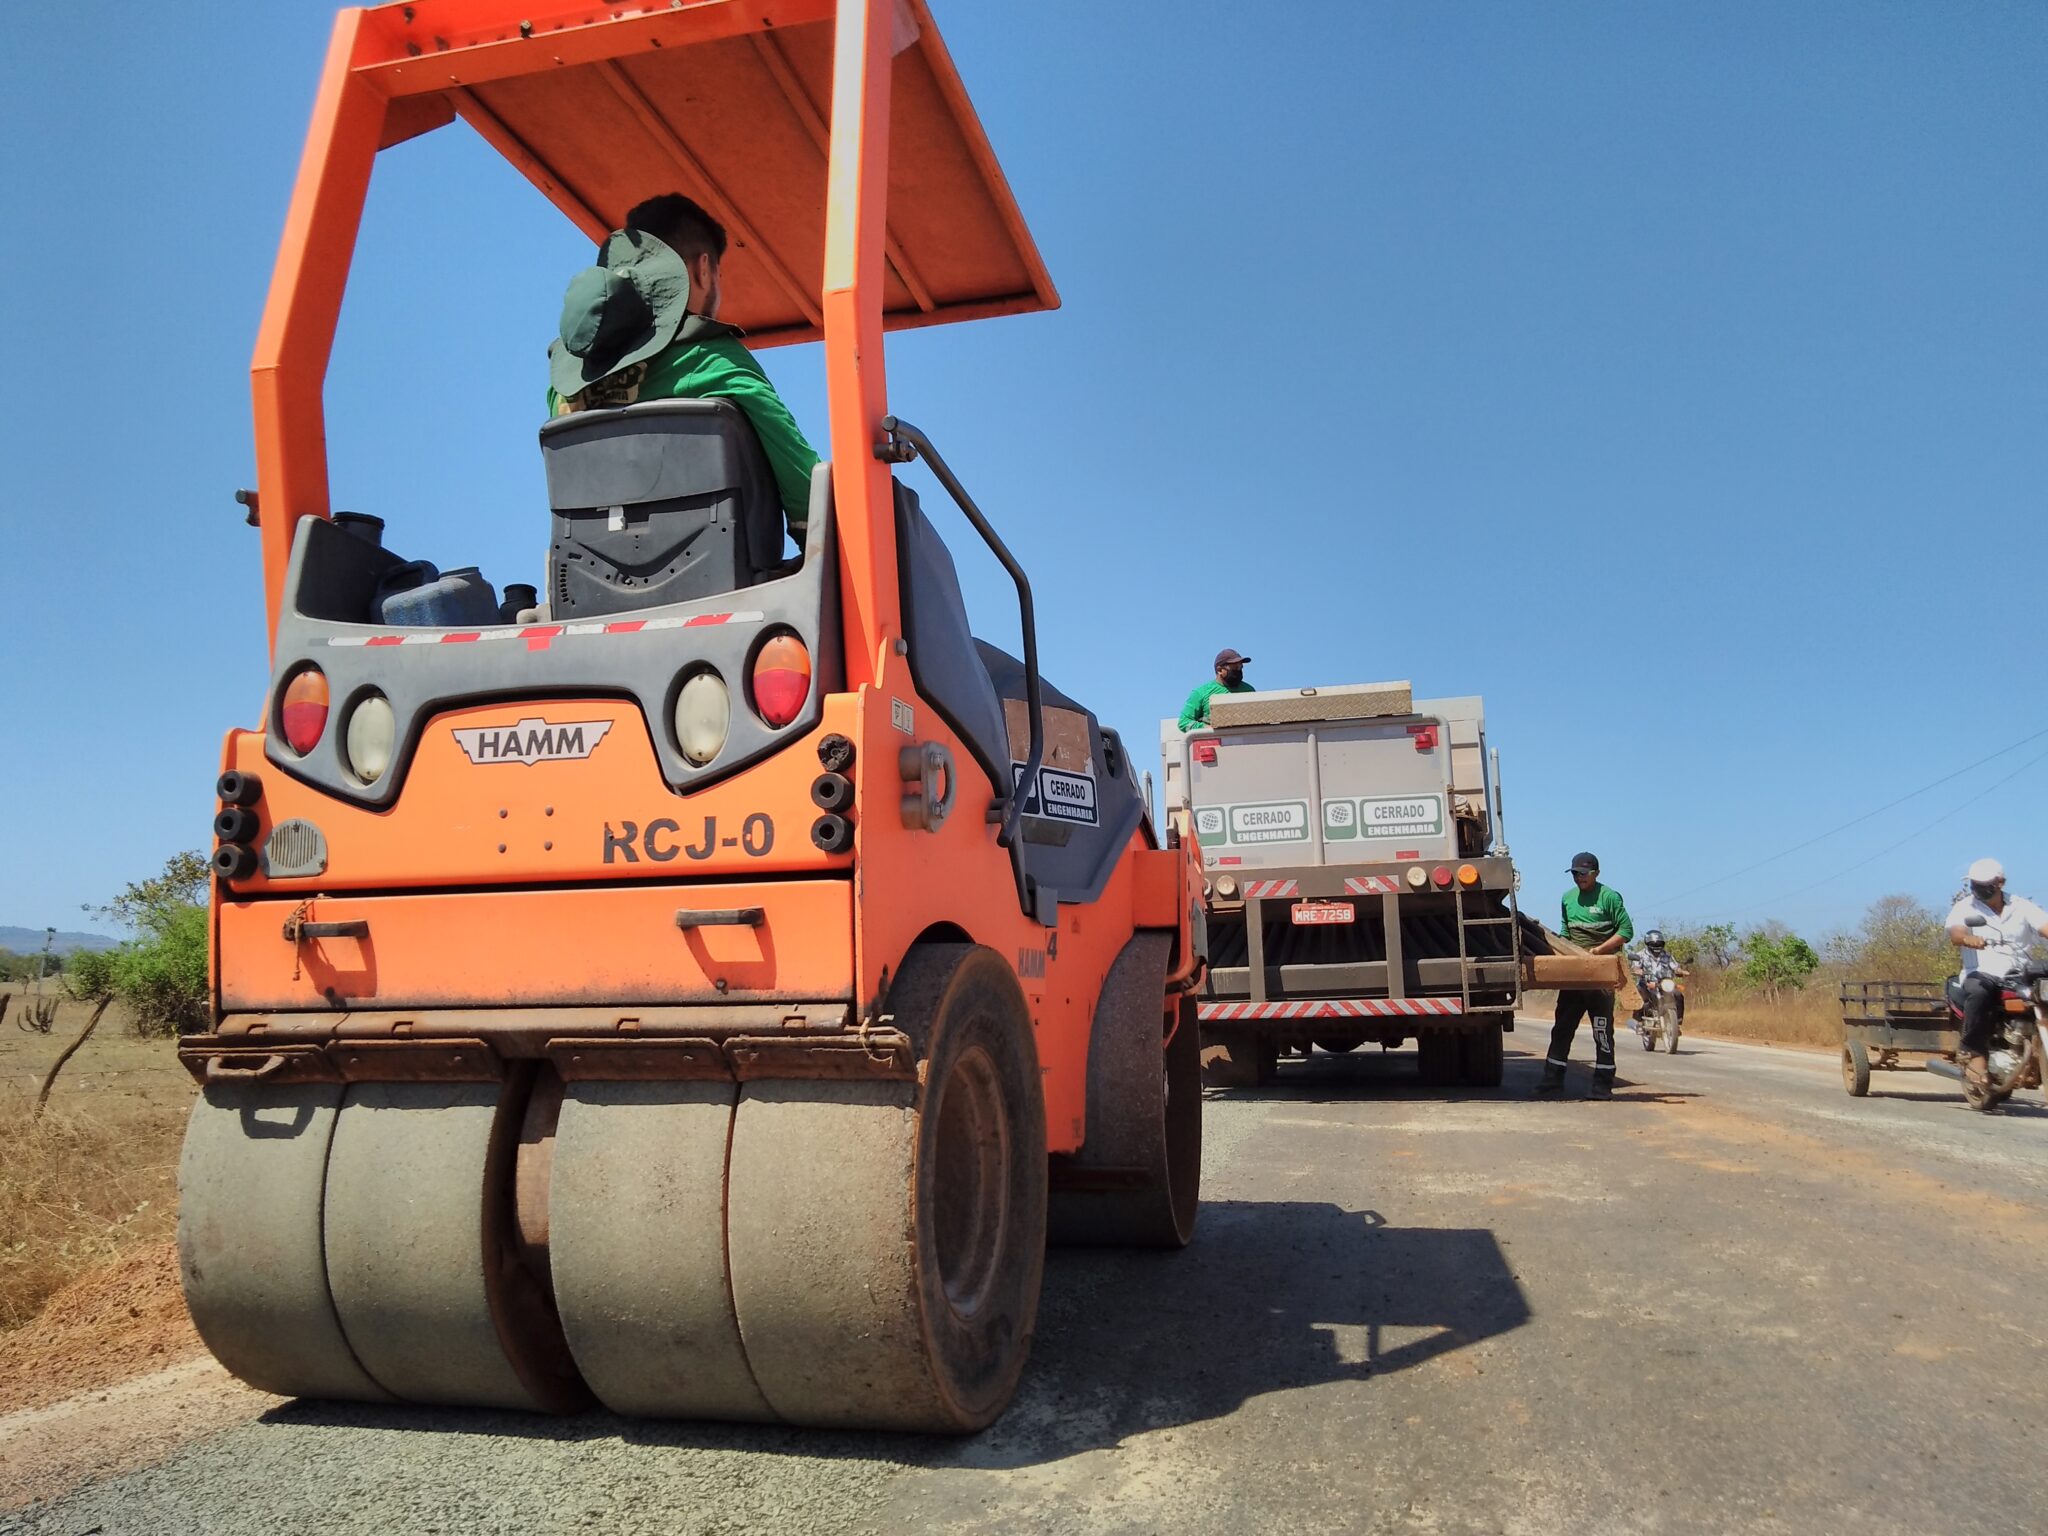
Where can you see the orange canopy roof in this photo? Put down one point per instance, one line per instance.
(727, 101)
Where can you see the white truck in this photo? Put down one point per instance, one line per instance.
(1358, 884)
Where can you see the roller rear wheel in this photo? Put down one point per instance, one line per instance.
(887, 1239)
(357, 1242)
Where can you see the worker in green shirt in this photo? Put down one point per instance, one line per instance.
(1229, 679)
(1595, 918)
(643, 325)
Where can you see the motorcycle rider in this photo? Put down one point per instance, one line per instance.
(1991, 952)
(1652, 964)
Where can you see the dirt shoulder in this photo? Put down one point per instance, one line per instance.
(108, 1377)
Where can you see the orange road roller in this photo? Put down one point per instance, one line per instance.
(702, 983)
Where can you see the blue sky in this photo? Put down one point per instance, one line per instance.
(1674, 376)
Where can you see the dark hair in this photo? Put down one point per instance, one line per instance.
(681, 225)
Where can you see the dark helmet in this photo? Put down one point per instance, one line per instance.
(1654, 938)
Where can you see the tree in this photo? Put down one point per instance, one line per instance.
(1774, 961)
(1711, 947)
(1898, 940)
(161, 973)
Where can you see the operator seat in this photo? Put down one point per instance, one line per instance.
(657, 503)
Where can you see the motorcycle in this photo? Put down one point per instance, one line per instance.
(1659, 1018)
(2019, 1034)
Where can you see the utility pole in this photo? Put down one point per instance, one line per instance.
(49, 938)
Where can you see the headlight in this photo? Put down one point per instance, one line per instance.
(1667, 985)
(703, 716)
(367, 743)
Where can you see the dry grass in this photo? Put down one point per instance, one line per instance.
(77, 1189)
(1811, 1017)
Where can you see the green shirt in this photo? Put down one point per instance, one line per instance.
(707, 361)
(1196, 711)
(1593, 922)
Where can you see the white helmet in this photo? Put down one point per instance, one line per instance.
(1986, 872)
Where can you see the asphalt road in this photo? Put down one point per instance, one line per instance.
(1731, 1299)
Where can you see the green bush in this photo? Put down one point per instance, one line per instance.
(162, 976)
(90, 976)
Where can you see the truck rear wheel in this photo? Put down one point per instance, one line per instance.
(1337, 1045)
(1235, 1057)
(1439, 1057)
(1483, 1056)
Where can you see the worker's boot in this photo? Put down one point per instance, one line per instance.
(1603, 1084)
(1552, 1081)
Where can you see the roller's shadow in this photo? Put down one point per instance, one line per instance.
(1270, 1297)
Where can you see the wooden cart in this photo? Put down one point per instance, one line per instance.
(1883, 1020)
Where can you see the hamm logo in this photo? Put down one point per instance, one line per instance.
(532, 741)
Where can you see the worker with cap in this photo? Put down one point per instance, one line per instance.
(1992, 951)
(1596, 919)
(1229, 679)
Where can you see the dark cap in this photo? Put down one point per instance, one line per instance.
(1585, 861)
(1230, 658)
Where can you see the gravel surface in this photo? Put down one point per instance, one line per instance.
(1729, 1300)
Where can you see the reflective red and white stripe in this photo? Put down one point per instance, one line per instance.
(1334, 1008)
(1267, 890)
(539, 637)
(1372, 885)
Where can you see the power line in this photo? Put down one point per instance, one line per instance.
(1784, 853)
(1895, 847)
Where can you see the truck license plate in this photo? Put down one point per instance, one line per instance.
(1308, 914)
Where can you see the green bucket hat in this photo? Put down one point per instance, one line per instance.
(620, 312)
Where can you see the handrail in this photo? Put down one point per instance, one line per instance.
(902, 443)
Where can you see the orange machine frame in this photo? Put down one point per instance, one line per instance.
(533, 87)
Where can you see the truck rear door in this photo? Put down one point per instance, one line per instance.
(1351, 792)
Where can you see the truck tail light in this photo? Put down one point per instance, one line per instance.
(1468, 874)
(1205, 753)
(303, 710)
(1417, 876)
(1441, 875)
(782, 679)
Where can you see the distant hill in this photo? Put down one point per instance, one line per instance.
(29, 941)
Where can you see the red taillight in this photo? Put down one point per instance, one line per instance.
(1205, 753)
(1425, 737)
(782, 679)
(1441, 875)
(304, 710)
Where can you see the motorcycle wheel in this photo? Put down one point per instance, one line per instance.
(1671, 1038)
(2003, 1083)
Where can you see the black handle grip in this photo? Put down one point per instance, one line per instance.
(727, 917)
(354, 928)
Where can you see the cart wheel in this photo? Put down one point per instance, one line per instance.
(1855, 1068)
